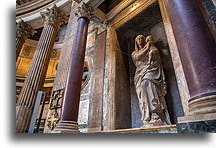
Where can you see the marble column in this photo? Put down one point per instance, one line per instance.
(52, 18)
(23, 31)
(69, 115)
(196, 47)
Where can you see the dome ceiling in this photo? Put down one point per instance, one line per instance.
(21, 2)
(29, 10)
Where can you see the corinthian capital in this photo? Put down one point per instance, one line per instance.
(54, 15)
(84, 11)
(23, 30)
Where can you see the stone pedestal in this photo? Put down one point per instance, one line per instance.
(196, 47)
(70, 108)
(23, 31)
(37, 72)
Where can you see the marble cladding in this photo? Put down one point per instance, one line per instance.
(83, 112)
(95, 109)
(116, 106)
(206, 126)
(210, 6)
(105, 87)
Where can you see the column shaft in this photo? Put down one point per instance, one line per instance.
(35, 78)
(70, 109)
(73, 87)
(19, 44)
(196, 47)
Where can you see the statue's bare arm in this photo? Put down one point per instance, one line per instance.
(138, 55)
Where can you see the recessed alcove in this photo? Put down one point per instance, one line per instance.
(149, 22)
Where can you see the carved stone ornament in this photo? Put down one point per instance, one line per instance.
(103, 26)
(23, 30)
(57, 96)
(26, 51)
(54, 15)
(53, 119)
(84, 11)
(54, 109)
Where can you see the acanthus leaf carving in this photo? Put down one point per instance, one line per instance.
(54, 15)
(84, 11)
(23, 30)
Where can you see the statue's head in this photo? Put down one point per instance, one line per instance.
(149, 39)
(140, 42)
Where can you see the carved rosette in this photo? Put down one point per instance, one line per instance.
(23, 30)
(84, 11)
(54, 16)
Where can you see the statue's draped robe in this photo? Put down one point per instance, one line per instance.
(150, 87)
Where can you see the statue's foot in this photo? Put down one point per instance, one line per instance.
(146, 125)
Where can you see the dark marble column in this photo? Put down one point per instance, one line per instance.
(23, 31)
(196, 47)
(70, 109)
(53, 18)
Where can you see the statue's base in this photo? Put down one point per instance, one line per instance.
(203, 123)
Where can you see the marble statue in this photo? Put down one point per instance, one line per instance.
(150, 83)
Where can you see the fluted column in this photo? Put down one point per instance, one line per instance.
(69, 114)
(23, 31)
(53, 18)
(197, 52)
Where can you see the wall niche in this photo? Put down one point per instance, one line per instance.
(149, 22)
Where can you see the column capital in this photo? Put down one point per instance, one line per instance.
(54, 16)
(23, 30)
(84, 11)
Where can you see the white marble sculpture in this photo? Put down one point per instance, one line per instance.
(150, 83)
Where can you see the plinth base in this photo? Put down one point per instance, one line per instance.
(155, 129)
(203, 123)
(66, 127)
